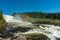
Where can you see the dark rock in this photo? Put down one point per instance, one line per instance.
(38, 37)
(19, 38)
(6, 34)
(21, 29)
(57, 38)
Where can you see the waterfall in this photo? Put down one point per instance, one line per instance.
(51, 31)
(16, 18)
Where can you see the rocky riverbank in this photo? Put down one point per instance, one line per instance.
(21, 37)
(47, 22)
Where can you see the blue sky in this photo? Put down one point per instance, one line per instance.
(11, 6)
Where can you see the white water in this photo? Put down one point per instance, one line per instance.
(18, 19)
(49, 30)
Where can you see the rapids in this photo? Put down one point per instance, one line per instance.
(51, 31)
(17, 18)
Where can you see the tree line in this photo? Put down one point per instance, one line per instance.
(41, 15)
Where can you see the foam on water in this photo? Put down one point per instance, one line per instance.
(51, 31)
(17, 18)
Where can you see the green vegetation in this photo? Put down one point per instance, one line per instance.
(2, 22)
(40, 16)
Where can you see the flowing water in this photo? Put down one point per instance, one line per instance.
(51, 31)
(17, 18)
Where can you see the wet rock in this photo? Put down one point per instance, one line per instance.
(38, 37)
(19, 38)
(22, 37)
(57, 38)
(6, 34)
(5, 39)
(21, 29)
